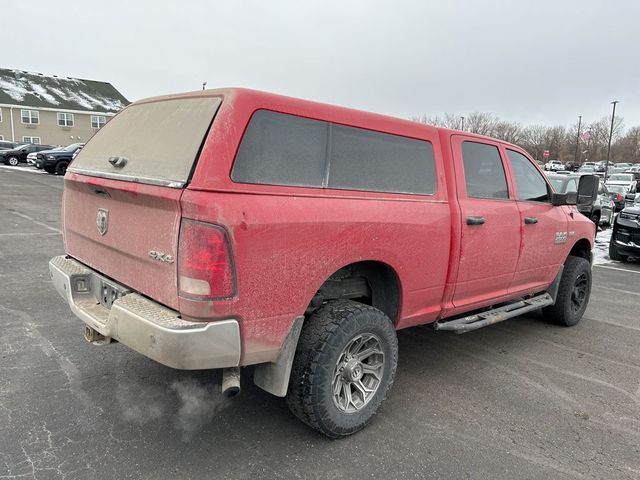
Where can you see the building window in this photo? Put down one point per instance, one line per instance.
(65, 119)
(1, 137)
(0, 115)
(30, 117)
(34, 140)
(97, 121)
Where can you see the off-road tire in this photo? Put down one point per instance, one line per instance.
(13, 161)
(613, 252)
(322, 340)
(565, 312)
(61, 167)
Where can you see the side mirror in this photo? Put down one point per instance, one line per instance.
(558, 199)
(629, 199)
(587, 190)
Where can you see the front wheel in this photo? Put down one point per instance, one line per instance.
(343, 368)
(61, 167)
(613, 251)
(573, 293)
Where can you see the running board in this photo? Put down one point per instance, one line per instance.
(500, 314)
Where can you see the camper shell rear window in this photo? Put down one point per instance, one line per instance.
(156, 142)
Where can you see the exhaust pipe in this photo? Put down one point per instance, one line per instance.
(230, 381)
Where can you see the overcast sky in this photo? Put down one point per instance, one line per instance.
(529, 61)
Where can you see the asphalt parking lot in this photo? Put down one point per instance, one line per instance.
(522, 399)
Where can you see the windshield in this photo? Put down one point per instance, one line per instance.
(617, 189)
(558, 184)
(621, 178)
(586, 169)
(72, 147)
(155, 142)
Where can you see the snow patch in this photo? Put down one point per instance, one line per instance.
(42, 93)
(14, 89)
(601, 247)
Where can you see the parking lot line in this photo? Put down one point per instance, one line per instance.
(602, 287)
(27, 217)
(616, 268)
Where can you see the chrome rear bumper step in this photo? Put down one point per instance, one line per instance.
(500, 314)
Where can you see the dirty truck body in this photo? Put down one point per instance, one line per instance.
(227, 228)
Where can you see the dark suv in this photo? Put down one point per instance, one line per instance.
(625, 239)
(19, 154)
(57, 161)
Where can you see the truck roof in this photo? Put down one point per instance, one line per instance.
(260, 98)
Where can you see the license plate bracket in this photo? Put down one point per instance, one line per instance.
(108, 293)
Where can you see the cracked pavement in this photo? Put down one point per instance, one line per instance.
(522, 399)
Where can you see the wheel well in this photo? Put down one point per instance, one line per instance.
(582, 249)
(370, 282)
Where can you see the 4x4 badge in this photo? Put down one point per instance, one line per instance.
(102, 220)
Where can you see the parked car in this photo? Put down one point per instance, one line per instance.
(625, 238)
(553, 165)
(19, 154)
(6, 145)
(32, 158)
(627, 180)
(57, 161)
(601, 211)
(634, 168)
(618, 194)
(587, 169)
(234, 228)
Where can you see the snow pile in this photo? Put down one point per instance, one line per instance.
(13, 88)
(601, 247)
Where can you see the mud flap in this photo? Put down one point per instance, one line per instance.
(273, 377)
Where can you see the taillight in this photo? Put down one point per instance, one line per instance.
(204, 262)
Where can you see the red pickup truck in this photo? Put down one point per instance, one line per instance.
(226, 228)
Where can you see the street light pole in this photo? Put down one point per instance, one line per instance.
(613, 115)
(575, 156)
(462, 127)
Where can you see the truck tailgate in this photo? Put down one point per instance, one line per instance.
(115, 226)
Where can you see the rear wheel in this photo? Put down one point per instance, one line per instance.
(573, 293)
(343, 368)
(13, 161)
(61, 167)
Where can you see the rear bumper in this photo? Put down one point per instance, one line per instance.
(144, 325)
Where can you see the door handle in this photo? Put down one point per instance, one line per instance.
(475, 220)
(530, 220)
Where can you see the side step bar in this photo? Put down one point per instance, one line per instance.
(500, 314)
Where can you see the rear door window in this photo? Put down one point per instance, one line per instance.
(483, 171)
(282, 149)
(158, 142)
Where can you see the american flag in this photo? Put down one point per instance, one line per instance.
(586, 136)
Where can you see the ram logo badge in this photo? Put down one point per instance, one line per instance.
(102, 221)
(561, 237)
(161, 257)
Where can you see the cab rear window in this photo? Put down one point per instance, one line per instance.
(282, 149)
(155, 142)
